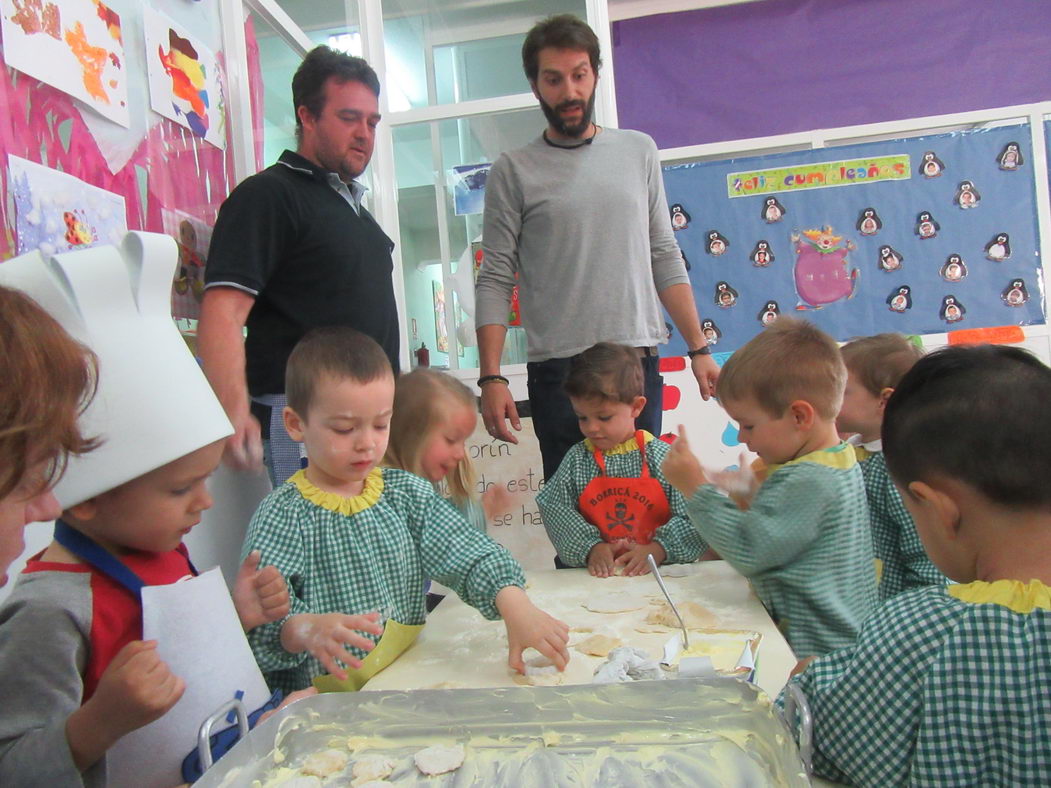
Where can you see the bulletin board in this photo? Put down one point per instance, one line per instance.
(88, 165)
(919, 235)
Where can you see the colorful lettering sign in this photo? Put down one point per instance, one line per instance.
(821, 175)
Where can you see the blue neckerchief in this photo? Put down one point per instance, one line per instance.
(90, 552)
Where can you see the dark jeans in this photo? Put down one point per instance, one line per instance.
(555, 422)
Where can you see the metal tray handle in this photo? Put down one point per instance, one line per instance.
(801, 722)
(204, 735)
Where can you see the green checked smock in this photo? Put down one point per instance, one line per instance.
(370, 552)
(573, 536)
(946, 686)
(804, 544)
(894, 537)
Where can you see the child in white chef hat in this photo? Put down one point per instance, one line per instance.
(108, 665)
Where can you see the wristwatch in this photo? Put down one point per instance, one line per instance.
(701, 351)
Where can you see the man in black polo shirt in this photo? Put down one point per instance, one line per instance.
(293, 249)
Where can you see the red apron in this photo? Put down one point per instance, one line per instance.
(625, 508)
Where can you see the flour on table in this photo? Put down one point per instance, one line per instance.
(371, 768)
(439, 759)
(614, 603)
(598, 645)
(300, 781)
(325, 763)
(694, 616)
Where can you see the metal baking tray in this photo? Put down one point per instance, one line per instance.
(686, 732)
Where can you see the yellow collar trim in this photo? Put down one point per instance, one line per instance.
(1012, 594)
(626, 447)
(370, 493)
(840, 457)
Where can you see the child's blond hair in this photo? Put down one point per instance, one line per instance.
(606, 371)
(421, 400)
(790, 360)
(879, 362)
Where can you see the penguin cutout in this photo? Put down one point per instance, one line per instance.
(669, 331)
(773, 211)
(685, 259)
(900, 299)
(954, 269)
(717, 243)
(1010, 157)
(890, 259)
(725, 296)
(998, 249)
(966, 195)
(769, 313)
(869, 222)
(952, 310)
(761, 255)
(680, 220)
(1015, 293)
(926, 227)
(711, 332)
(932, 166)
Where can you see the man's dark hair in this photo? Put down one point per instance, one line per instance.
(320, 64)
(606, 371)
(976, 414)
(332, 351)
(563, 31)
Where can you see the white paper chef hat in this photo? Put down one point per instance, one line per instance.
(153, 403)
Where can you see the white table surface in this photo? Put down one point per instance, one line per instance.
(458, 648)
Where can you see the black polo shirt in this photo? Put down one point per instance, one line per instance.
(286, 236)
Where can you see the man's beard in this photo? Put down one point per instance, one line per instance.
(559, 125)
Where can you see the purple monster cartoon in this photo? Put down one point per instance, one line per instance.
(821, 273)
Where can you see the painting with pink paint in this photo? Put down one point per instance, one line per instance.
(184, 78)
(822, 273)
(56, 212)
(76, 46)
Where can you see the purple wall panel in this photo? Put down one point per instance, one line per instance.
(778, 66)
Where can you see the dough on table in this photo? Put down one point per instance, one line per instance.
(676, 570)
(694, 616)
(439, 759)
(371, 768)
(325, 763)
(614, 602)
(539, 672)
(598, 645)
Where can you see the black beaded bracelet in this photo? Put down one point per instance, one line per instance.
(701, 351)
(490, 378)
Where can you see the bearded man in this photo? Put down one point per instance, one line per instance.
(580, 216)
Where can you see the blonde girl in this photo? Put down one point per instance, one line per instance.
(434, 415)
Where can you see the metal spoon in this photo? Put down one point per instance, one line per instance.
(664, 588)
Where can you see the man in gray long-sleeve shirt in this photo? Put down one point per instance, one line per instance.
(580, 216)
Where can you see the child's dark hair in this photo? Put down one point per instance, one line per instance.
(976, 414)
(606, 371)
(562, 31)
(880, 361)
(336, 351)
(321, 64)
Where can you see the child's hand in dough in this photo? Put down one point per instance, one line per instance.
(600, 560)
(326, 636)
(529, 626)
(260, 595)
(634, 560)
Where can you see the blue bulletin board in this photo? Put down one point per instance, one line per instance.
(901, 235)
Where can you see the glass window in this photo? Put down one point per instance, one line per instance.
(441, 52)
(438, 245)
(277, 63)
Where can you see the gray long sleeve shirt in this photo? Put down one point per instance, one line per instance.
(588, 232)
